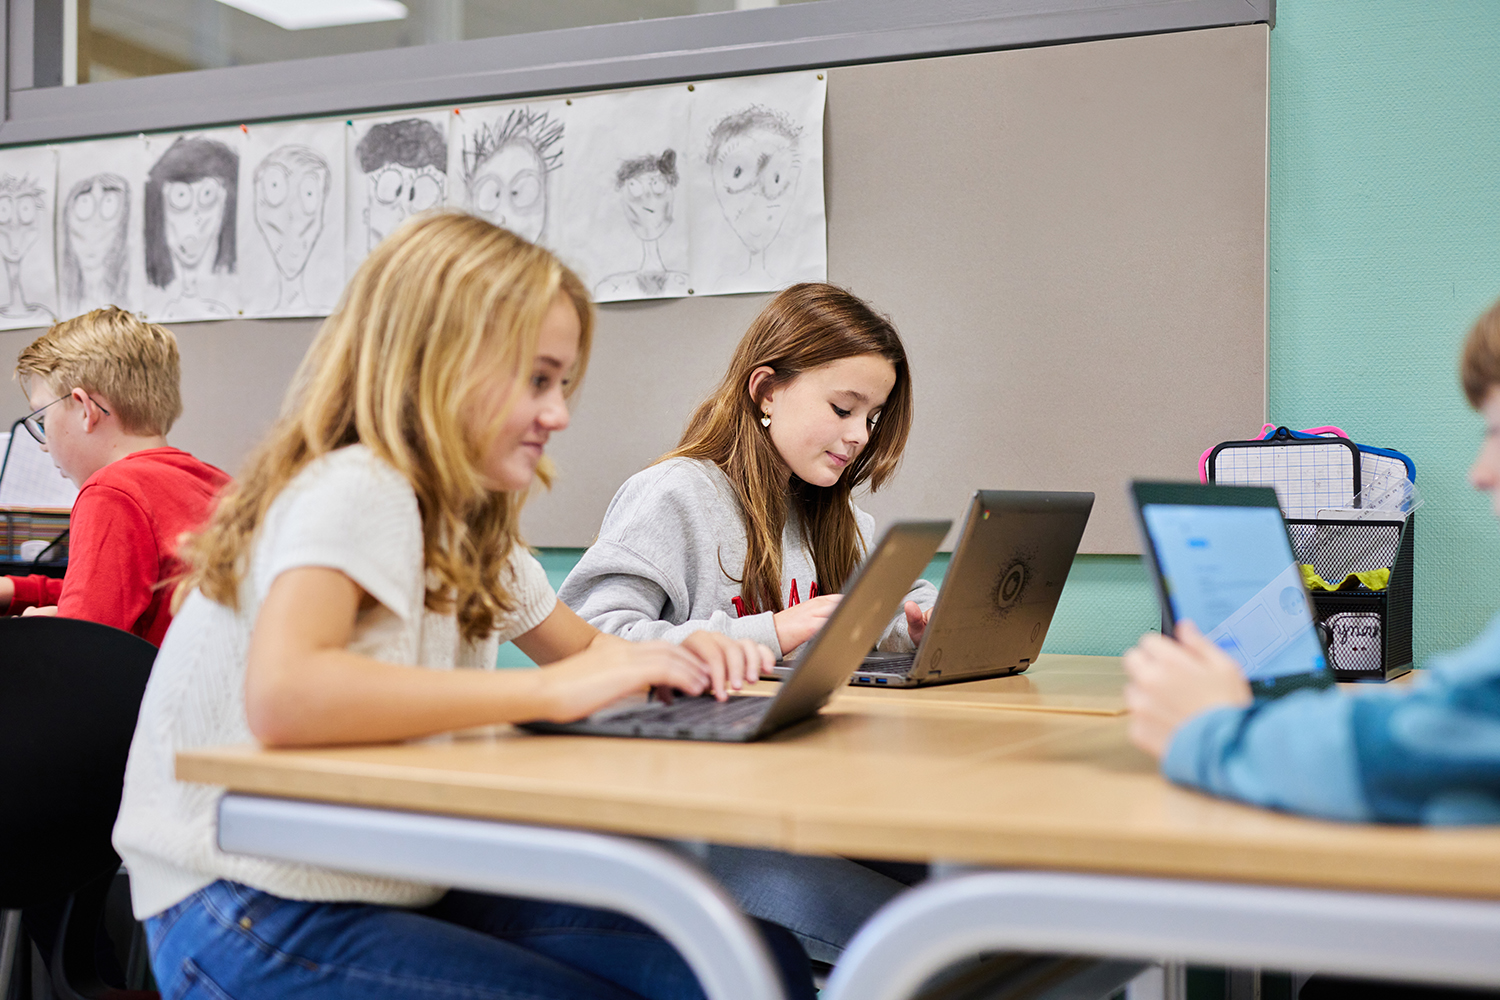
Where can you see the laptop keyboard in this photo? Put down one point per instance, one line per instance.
(693, 711)
(899, 666)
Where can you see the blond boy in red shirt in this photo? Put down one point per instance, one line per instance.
(103, 388)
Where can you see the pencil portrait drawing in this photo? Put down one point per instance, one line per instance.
(23, 214)
(754, 157)
(506, 168)
(292, 185)
(96, 224)
(405, 163)
(190, 205)
(647, 188)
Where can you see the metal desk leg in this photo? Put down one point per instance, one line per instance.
(11, 942)
(720, 944)
(1165, 981)
(1239, 926)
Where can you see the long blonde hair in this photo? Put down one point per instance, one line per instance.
(395, 368)
(805, 327)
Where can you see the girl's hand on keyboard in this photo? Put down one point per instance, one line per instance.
(611, 668)
(732, 663)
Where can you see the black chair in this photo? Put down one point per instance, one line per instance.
(70, 691)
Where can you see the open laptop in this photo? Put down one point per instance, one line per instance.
(998, 596)
(873, 598)
(1221, 557)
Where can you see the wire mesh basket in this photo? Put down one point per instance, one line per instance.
(1368, 631)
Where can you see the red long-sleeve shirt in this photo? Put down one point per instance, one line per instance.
(122, 542)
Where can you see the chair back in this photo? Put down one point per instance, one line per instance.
(70, 691)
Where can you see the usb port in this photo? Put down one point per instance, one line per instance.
(880, 680)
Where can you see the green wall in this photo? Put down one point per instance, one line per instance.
(1384, 246)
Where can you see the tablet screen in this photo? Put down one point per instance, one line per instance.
(1231, 572)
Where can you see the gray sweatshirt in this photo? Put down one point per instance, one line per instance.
(661, 568)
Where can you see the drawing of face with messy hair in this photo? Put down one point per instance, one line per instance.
(754, 158)
(406, 165)
(96, 218)
(506, 165)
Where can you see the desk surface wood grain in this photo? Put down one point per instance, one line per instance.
(1090, 685)
(904, 779)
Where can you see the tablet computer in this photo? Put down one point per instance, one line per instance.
(1220, 556)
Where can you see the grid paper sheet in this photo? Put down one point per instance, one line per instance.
(1307, 478)
(30, 479)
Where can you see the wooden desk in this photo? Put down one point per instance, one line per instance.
(961, 785)
(1087, 685)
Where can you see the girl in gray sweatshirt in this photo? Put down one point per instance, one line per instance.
(748, 528)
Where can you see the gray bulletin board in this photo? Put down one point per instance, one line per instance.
(1071, 239)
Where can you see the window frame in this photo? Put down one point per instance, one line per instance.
(637, 53)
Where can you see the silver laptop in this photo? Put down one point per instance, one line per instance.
(874, 596)
(998, 596)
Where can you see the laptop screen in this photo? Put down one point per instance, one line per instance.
(1230, 570)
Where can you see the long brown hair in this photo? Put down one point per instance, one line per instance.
(805, 327)
(396, 368)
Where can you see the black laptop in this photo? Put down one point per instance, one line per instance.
(998, 596)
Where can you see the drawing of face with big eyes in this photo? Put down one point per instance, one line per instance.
(648, 204)
(20, 215)
(94, 216)
(510, 190)
(397, 192)
(755, 177)
(194, 213)
(291, 189)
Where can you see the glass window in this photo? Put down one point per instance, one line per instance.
(118, 39)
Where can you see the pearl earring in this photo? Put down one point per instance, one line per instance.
(765, 420)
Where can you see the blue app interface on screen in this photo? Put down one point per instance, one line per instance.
(1230, 571)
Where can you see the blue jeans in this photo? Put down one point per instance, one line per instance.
(231, 942)
(822, 900)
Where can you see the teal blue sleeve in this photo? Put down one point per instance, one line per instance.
(1429, 753)
(1296, 753)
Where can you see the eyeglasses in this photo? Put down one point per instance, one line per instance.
(36, 424)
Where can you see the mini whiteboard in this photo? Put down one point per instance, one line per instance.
(1309, 475)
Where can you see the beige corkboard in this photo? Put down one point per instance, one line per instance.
(1070, 238)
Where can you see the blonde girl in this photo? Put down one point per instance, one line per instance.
(375, 531)
(748, 528)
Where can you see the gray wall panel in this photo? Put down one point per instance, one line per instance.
(234, 375)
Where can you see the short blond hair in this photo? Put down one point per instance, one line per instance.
(132, 364)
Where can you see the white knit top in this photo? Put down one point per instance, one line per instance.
(347, 511)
